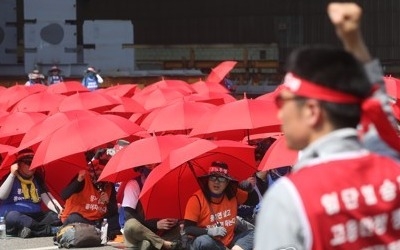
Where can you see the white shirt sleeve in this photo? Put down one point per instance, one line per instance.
(99, 79)
(131, 194)
(280, 224)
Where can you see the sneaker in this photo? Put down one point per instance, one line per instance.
(25, 233)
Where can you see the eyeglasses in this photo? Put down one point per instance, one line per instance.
(214, 178)
(280, 100)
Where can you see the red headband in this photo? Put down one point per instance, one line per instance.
(302, 87)
(372, 109)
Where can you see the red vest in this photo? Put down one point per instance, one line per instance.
(86, 202)
(352, 203)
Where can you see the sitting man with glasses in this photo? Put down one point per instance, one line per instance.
(211, 212)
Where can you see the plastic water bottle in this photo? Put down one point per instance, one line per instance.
(104, 229)
(2, 228)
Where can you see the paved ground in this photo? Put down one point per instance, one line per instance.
(44, 243)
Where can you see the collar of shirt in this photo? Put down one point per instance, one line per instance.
(338, 141)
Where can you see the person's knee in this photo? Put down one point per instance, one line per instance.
(12, 217)
(132, 226)
(203, 242)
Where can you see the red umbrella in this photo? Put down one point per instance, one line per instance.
(392, 85)
(81, 135)
(67, 88)
(238, 119)
(151, 150)
(174, 180)
(121, 90)
(58, 174)
(127, 107)
(215, 98)
(179, 117)
(271, 95)
(158, 97)
(15, 125)
(178, 85)
(10, 96)
(218, 73)
(95, 101)
(4, 152)
(41, 130)
(278, 155)
(207, 87)
(39, 102)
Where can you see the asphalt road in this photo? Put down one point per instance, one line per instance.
(44, 243)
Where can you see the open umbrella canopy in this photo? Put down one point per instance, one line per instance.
(178, 117)
(392, 85)
(81, 135)
(95, 101)
(158, 97)
(4, 152)
(238, 119)
(39, 102)
(150, 150)
(218, 73)
(207, 87)
(175, 179)
(67, 88)
(278, 155)
(42, 129)
(14, 125)
(127, 107)
(172, 84)
(215, 98)
(10, 96)
(121, 90)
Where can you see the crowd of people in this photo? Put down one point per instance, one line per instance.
(342, 193)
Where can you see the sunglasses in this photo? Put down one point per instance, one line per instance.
(215, 178)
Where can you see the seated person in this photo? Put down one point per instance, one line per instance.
(22, 194)
(211, 212)
(259, 182)
(141, 233)
(89, 201)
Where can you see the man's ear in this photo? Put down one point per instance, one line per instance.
(313, 112)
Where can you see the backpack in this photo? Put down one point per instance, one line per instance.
(78, 235)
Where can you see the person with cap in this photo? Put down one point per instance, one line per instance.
(35, 78)
(54, 76)
(22, 195)
(90, 201)
(92, 79)
(211, 212)
(339, 195)
(141, 233)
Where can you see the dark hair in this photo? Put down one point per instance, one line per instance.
(335, 69)
(262, 145)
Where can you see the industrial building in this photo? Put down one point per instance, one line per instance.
(127, 38)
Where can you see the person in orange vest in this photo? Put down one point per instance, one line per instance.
(90, 201)
(340, 195)
(211, 212)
